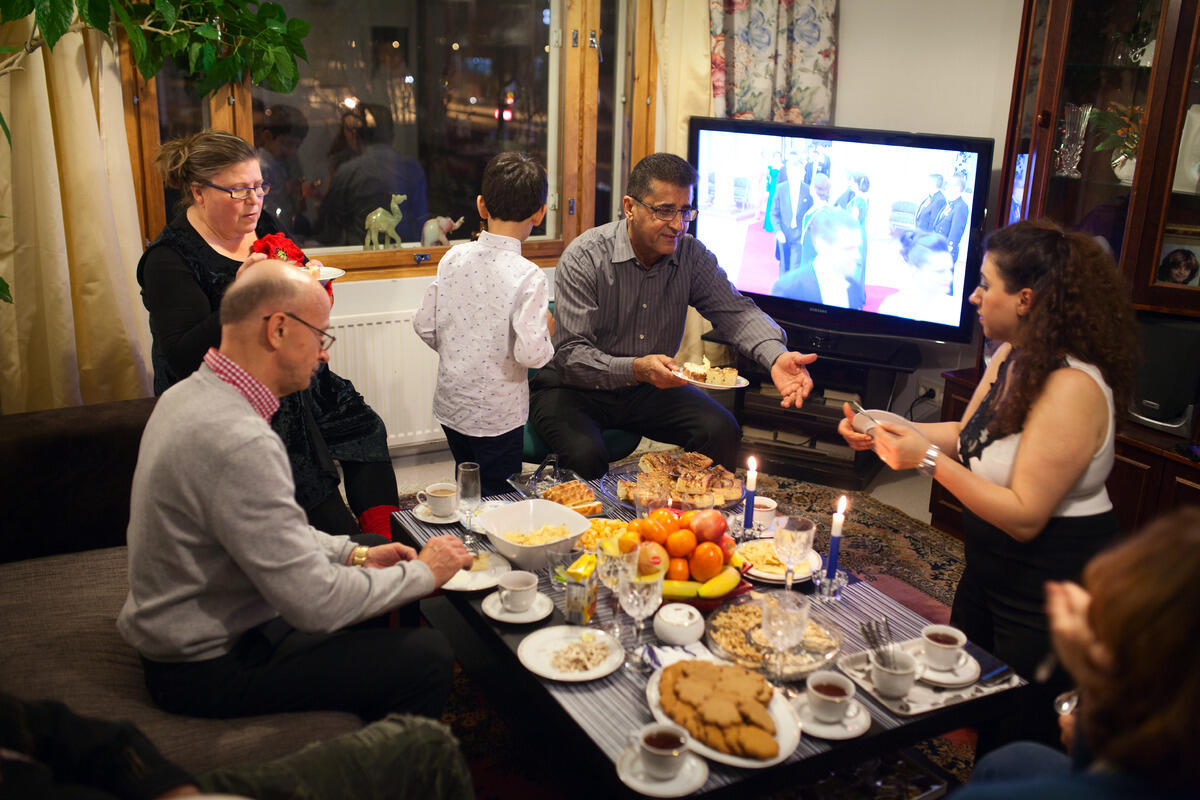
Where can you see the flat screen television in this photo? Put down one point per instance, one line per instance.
(872, 234)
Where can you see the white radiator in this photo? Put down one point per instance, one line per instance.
(393, 369)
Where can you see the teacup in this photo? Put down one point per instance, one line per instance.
(764, 512)
(440, 498)
(830, 695)
(518, 590)
(943, 647)
(662, 748)
(895, 680)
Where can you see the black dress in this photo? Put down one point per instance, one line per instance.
(183, 280)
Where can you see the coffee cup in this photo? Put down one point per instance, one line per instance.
(440, 498)
(518, 590)
(764, 512)
(943, 646)
(829, 694)
(662, 749)
(897, 678)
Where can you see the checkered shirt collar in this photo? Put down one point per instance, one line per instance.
(261, 399)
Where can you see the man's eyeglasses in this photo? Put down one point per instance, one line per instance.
(241, 192)
(327, 339)
(668, 213)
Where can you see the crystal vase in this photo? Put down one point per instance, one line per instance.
(1070, 149)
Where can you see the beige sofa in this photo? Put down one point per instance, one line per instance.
(58, 635)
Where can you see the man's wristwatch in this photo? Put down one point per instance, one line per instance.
(358, 556)
(929, 461)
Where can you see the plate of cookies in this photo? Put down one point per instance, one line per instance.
(735, 633)
(732, 714)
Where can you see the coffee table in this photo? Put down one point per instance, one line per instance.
(597, 717)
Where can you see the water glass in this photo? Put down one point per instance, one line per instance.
(469, 498)
(793, 540)
(640, 596)
(784, 621)
(611, 564)
(648, 497)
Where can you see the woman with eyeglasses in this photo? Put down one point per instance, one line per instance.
(185, 272)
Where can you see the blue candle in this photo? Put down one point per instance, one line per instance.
(835, 539)
(751, 482)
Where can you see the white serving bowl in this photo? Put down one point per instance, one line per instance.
(527, 516)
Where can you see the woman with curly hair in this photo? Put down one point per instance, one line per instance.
(1030, 456)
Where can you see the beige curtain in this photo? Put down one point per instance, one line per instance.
(683, 43)
(76, 332)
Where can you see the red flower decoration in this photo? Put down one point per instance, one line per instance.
(279, 247)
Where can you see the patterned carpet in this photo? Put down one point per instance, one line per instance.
(879, 544)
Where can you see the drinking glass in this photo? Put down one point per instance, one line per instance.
(640, 596)
(784, 621)
(611, 564)
(793, 540)
(648, 497)
(469, 498)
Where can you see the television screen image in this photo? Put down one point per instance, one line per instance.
(870, 232)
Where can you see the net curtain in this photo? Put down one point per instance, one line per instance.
(76, 332)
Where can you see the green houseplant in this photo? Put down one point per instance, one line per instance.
(1120, 130)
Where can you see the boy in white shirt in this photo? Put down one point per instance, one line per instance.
(486, 315)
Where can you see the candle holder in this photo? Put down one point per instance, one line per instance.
(829, 590)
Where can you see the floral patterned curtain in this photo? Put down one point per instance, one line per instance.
(773, 59)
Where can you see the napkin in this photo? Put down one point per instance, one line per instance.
(662, 656)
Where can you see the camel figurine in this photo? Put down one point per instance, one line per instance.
(435, 230)
(383, 222)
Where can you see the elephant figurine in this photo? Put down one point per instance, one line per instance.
(434, 231)
(383, 222)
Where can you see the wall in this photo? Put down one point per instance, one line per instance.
(929, 66)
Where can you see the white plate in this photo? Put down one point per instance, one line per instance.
(964, 674)
(738, 383)
(541, 608)
(538, 648)
(467, 581)
(863, 424)
(814, 563)
(856, 722)
(423, 513)
(329, 273)
(691, 776)
(787, 729)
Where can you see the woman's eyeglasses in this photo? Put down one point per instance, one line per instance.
(241, 192)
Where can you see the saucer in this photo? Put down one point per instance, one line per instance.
(423, 513)
(541, 608)
(691, 776)
(856, 722)
(966, 673)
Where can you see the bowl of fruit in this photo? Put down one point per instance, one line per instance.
(702, 565)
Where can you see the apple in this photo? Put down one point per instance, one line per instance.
(728, 546)
(652, 558)
(709, 525)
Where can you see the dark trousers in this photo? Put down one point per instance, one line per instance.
(370, 670)
(368, 483)
(497, 456)
(571, 420)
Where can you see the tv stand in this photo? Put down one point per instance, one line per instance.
(884, 352)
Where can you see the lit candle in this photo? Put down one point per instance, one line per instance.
(751, 482)
(835, 539)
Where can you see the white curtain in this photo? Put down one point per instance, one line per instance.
(76, 332)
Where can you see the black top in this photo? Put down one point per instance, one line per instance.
(183, 280)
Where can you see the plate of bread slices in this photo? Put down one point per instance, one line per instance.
(689, 478)
(558, 485)
(710, 377)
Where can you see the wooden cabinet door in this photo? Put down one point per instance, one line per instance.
(1181, 487)
(1133, 486)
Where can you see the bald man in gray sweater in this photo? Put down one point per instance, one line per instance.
(235, 603)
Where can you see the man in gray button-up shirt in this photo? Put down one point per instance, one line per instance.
(621, 297)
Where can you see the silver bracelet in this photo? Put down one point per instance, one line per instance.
(929, 461)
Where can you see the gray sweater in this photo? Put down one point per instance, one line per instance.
(218, 544)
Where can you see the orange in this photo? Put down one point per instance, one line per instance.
(667, 518)
(685, 519)
(678, 570)
(628, 542)
(706, 561)
(650, 530)
(681, 543)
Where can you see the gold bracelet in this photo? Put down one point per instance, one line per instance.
(358, 556)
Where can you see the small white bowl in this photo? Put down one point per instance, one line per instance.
(525, 517)
(678, 624)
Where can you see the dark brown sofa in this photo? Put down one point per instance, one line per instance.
(66, 476)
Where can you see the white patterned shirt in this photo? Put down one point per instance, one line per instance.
(485, 314)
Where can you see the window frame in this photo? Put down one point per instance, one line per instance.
(230, 110)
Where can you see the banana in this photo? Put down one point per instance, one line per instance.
(721, 585)
(680, 590)
(736, 561)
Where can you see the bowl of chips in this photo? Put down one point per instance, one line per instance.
(528, 532)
